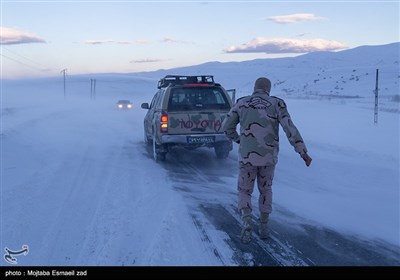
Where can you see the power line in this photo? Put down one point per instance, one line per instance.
(24, 57)
(20, 62)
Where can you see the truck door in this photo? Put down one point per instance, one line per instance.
(232, 94)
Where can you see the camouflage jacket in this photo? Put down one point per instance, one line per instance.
(259, 116)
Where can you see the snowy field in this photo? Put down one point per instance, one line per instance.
(79, 188)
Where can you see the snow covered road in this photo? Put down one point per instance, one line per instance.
(80, 187)
(209, 189)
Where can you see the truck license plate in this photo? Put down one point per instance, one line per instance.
(200, 139)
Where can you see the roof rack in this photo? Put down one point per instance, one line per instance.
(182, 80)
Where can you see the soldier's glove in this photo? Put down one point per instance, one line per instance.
(307, 159)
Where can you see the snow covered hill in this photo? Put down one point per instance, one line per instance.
(345, 73)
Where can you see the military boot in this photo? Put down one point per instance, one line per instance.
(264, 231)
(245, 235)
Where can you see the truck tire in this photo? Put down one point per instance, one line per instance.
(222, 150)
(158, 156)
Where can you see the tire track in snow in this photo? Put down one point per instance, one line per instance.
(206, 239)
(205, 187)
(269, 252)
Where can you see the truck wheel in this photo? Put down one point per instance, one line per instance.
(222, 150)
(147, 140)
(157, 155)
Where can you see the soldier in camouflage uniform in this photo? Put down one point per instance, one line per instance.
(259, 116)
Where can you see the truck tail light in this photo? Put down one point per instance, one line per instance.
(164, 123)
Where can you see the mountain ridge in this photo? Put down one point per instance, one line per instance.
(348, 72)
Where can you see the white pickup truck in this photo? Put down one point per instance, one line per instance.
(187, 111)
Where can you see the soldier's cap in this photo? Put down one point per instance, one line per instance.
(262, 84)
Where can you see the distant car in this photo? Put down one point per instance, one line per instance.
(124, 104)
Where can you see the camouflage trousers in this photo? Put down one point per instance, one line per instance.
(246, 180)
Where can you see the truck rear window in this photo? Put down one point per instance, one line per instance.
(197, 98)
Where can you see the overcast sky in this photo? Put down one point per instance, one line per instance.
(40, 38)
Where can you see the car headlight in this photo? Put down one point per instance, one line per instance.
(129, 105)
(119, 106)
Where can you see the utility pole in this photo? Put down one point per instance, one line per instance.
(376, 98)
(64, 71)
(92, 88)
